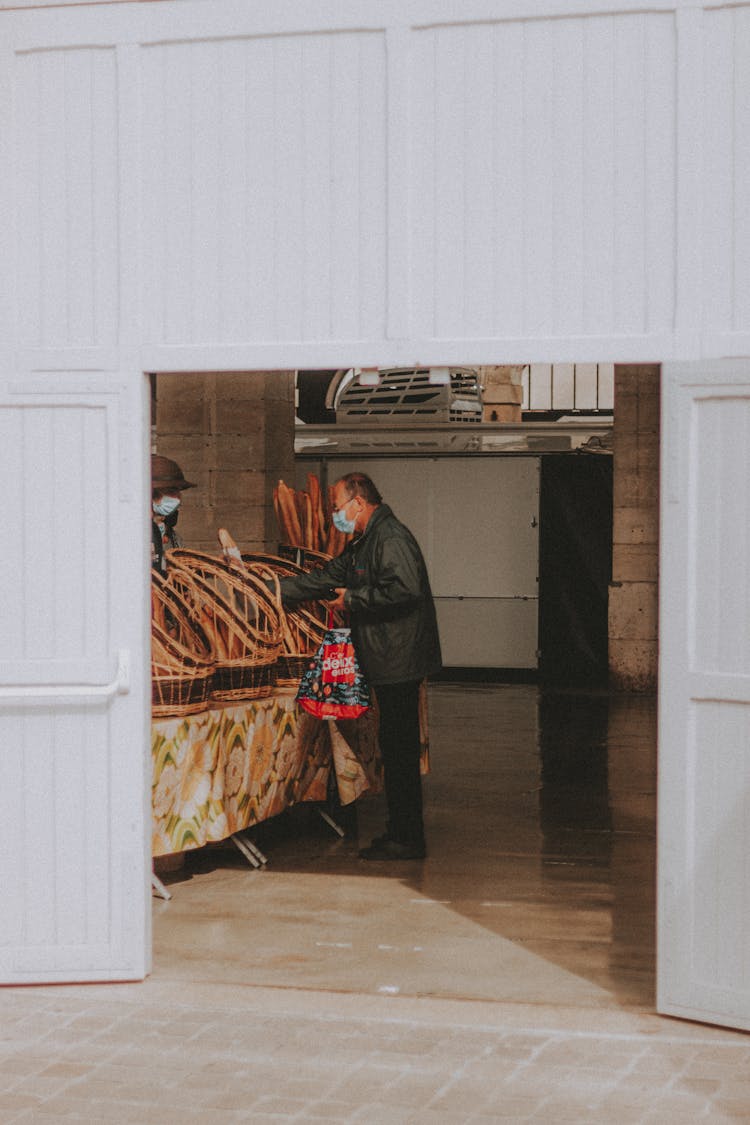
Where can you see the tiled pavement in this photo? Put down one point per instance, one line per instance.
(160, 1054)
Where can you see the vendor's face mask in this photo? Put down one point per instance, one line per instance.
(341, 522)
(166, 505)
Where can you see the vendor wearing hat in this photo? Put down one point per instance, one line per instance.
(167, 483)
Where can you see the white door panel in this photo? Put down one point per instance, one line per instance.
(73, 680)
(704, 768)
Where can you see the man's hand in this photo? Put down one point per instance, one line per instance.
(338, 601)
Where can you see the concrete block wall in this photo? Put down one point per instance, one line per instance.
(634, 593)
(233, 434)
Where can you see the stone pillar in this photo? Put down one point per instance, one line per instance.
(633, 595)
(233, 434)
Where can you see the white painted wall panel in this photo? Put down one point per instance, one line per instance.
(726, 213)
(73, 722)
(555, 138)
(264, 202)
(54, 600)
(67, 191)
(721, 536)
(704, 695)
(720, 869)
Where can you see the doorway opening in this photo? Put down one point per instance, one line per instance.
(535, 831)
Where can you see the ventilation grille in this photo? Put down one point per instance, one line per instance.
(406, 393)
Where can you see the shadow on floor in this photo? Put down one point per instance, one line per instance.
(538, 888)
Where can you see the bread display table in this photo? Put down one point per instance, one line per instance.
(222, 770)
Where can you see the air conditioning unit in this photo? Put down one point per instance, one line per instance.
(407, 394)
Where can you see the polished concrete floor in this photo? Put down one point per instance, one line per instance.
(539, 883)
(509, 977)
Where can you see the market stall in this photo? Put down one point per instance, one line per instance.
(222, 770)
(230, 745)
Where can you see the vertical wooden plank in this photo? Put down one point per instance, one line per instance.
(563, 386)
(585, 386)
(509, 184)
(80, 162)
(659, 158)
(10, 275)
(67, 534)
(25, 202)
(123, 307)
(260, 208)
(94, 492)
(540, 175)
(540, 386)
(718, 198)
(153, 128)
(106, 132)
(13, 564)
(204, 187)
(387, 286)
(319, 255)
(108, 784)
(232, 191)
(384, 246)
(177, 279)
(39, 829)
(422, 195)
(741, 311)
(11, 810)
(37, 577)
(598, 175)
(70, 815)
(629, 175)
(730, 623)
(689, 173)
(450, 180)
(479, 164)
(346, 93)
(707, 512)
(289, 212)
(568, 213)
(53, 200)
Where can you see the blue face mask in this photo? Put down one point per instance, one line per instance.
(341, 522)
(166, 506)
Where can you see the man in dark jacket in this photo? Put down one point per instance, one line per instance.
(381, 580)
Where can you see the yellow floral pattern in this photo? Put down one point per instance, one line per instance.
(224, 769)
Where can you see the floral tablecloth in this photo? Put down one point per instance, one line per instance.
(224, 769)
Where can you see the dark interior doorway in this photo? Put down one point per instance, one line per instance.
(575, 568)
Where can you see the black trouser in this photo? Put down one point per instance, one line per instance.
(400, 749)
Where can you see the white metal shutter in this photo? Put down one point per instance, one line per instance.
(704, 728)
(74, 863)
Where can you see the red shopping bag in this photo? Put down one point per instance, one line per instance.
(332, 687)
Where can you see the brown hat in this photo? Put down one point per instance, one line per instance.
(167, 474)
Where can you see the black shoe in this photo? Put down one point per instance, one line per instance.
(383, 848)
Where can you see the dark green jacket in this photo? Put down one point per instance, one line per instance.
(392, 614)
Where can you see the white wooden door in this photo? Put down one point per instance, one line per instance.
(704, 726)
(74, 673)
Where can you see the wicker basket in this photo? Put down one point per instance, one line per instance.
(237, 612)
(182, 666)
(302, 628)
